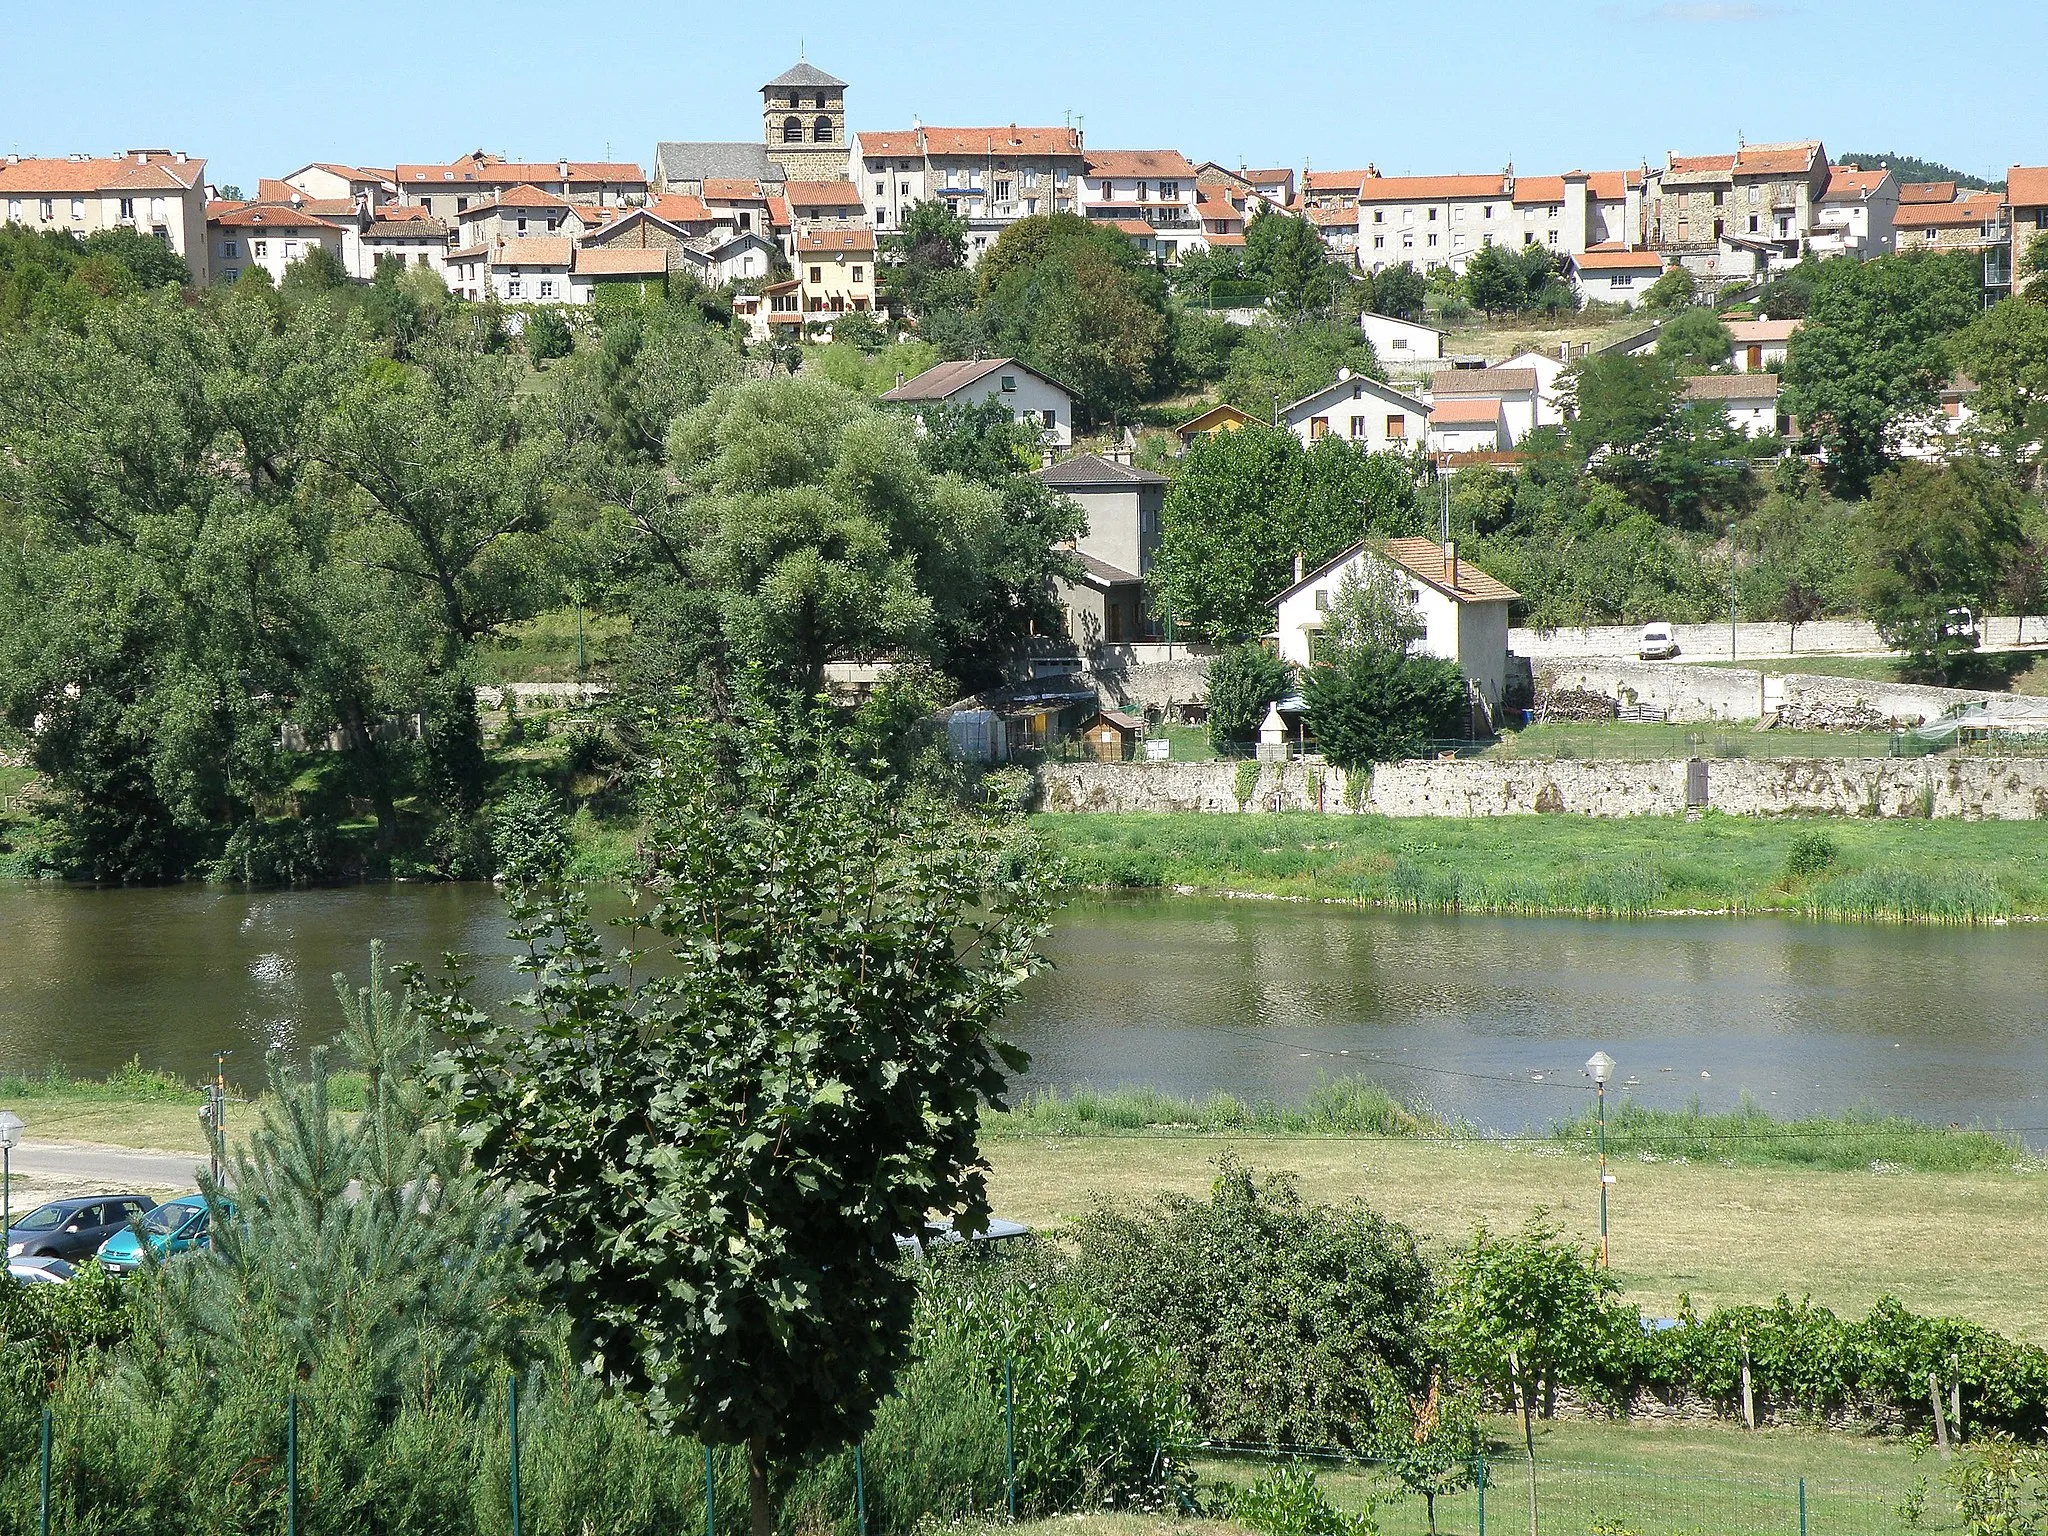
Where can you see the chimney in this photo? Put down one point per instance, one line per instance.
(1297, 566)
(899, 381)
(562, 169)
(179, 157)
(1451, 564)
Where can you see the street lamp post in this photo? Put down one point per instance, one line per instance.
(10, 1137)
(1602, 1067)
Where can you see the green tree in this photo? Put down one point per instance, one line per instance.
(1399, 291)
(1674, 290)
(714, 1163)
(1285, 362)
(1246, 504)
(924, 266)
(2033, 262)
(1526, 1314)
(547, 336)
(1243, 682)
(1283, 252)
(1679, 461)
(1435, 1446)
(1695, 341)
(2005, 352)
(1073, 298)
(1936, 539)
(1371, 610)
(317, 273)
(861, 331)
(1377, 706)
(1495, 281)
(1873, 350)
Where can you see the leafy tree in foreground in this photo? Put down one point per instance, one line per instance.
(1695, 341)
(1676, 289)
(2005, 351)
(1935, 539)
(1243, 683)
(1281, 363)
(714, 1163)
(1400, 291)
(1377, 706)
(547, 336)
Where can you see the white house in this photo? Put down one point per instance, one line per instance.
(1760, 345)
(414, 241)
(1395, 342)
(1748, 400)
(1031, 396)
(1550, 369)
(1932, 437)
(1476, 425)
(1513, 389)
(1858, 213)
(267, 235)
(1156, 186)
(1464, 611)
(748, 254)
(1375, 416)
(1614, 276)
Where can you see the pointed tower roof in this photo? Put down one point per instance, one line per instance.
(803, 74)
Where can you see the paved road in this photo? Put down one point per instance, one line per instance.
(70, 1164)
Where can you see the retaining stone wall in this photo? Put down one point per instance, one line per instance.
(1689, 694)
(1771, 641)
(1160, 684)
(1960, 788)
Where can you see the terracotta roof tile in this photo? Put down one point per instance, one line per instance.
(899, 141)
(2026, 186)
(534, 251)
(733, 190)
(122, 173)
(611, 261)
(1618, 261)
(1476, 411)
(1847, 183)
(1423, 189)
(1964, 212)
(1139, 162)
(1927, 192)
(1002, 141)
(1483, 381)
(1732, 386)
(828, 240)
(822, 194)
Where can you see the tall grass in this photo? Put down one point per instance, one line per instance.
(1748, 1137)
(1343, 1106)
(1887, 893)
(130, 1083)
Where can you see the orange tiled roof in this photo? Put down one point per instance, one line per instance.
(278, 216)
(1138, 162)
(491, 171)
(1978, 208)
(1334, 217)
(2026, 186)
(1002, 141)
(898, 141)
(534, 251)
(1424, 558)
(733, 189)
(612, 261)
(1471, 411)
(837, 240)
(1425, 189)
(526, 195)
(1618, 261)
(821, 194)
(679, 208)
(1846, 182)
(1928, 192)
(139, 171)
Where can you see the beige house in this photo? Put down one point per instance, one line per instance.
(268, 235)
(517, 213)
(1737, 215)
(1123, 506)
(836, 268)
(449, 190)
(991, 177)
(158, 192)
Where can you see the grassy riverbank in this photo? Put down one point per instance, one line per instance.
(1897, 870)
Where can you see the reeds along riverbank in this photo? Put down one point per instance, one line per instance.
(1829, 868)
(1357, 1107)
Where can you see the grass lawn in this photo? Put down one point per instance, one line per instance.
(1963, 1244)
(1636, 742)
(543, 649)
(2020, 672)
(1504, 338)
(1889, 869)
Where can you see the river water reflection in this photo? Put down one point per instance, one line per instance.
(1487, 1018)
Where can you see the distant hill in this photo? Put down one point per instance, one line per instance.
(1913, 168)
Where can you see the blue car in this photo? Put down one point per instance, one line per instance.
(176, 1226)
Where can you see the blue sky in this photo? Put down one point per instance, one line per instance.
(1425, 86)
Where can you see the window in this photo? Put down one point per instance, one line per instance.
(1753, 223)
(821, 131)
(1489, 210)
(77, 208)
(903, 188)
(1397, 428)
(792, 130)
(259, 247)
(1929, 236)
(1622, 280)
(522, 226)
(1358, 429)
(14, 210)
(817, 274)
(49, 209)
(974, 177)
(227, 249)
(547, 288)
(127, 207)
(512, 289)
(1059, 177)
(1379, 242)
(1030, 180)
(1432, 239)
(1407, 242)
(1169, 191)
(1379, 215)
(1552, 237)
(1009, 383)
(859, 274)
(1002, 189)
(462, 205)
(1432, 215)
(1322, 600)
(1049, 418)
(1318, 428)
(291, 250)
(881, 188)
(230, 274)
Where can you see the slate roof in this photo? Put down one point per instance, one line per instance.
(802, 73)
(714, 162)
(1483, 381)
(1732, 386)
(1102, 573)
(945, 380)
(1091, 469)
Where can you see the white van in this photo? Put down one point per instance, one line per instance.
(1656, 643)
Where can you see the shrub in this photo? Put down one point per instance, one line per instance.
(1288, 1501)
(1243, 683)
(1285, 1321)
(1812, 851)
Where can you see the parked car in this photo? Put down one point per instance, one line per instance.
(1960, 621)
(176, 1226)
(73, 1228)
(1656, 643)
(39, 1271)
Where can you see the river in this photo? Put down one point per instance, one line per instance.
(1487, 1018)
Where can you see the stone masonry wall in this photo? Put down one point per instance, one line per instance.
(1961, 788)
(1689, 694)
(1755, 642)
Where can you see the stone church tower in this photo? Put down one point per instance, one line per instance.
(803, 120)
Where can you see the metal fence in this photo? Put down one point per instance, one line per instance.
(1584, 1498)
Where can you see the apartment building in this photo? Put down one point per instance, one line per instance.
(1735, 216)
(1431, 221)
(449, 190)
(1578, 211)
(408, 235)
(991, 177)
(158, 192)
(326, 181)
(1153, 186)
(1975, 221)
(518, 213)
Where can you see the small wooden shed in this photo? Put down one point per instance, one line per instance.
(1112, 736)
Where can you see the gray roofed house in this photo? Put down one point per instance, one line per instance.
(685, 167)
(802, 73)
(1484, 381)
(1088, 470)
(1124, 506)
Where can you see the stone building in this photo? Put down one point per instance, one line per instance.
(1736, 216)
(803, 138)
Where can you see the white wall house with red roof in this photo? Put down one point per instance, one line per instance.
(1155, 186)
(1858, 213)
(272, 236)
(1372, 416)
(158, 192)
(452, 188)
(1615, 276)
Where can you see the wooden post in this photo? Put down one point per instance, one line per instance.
(1940, 1423)
(1748, 1398)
